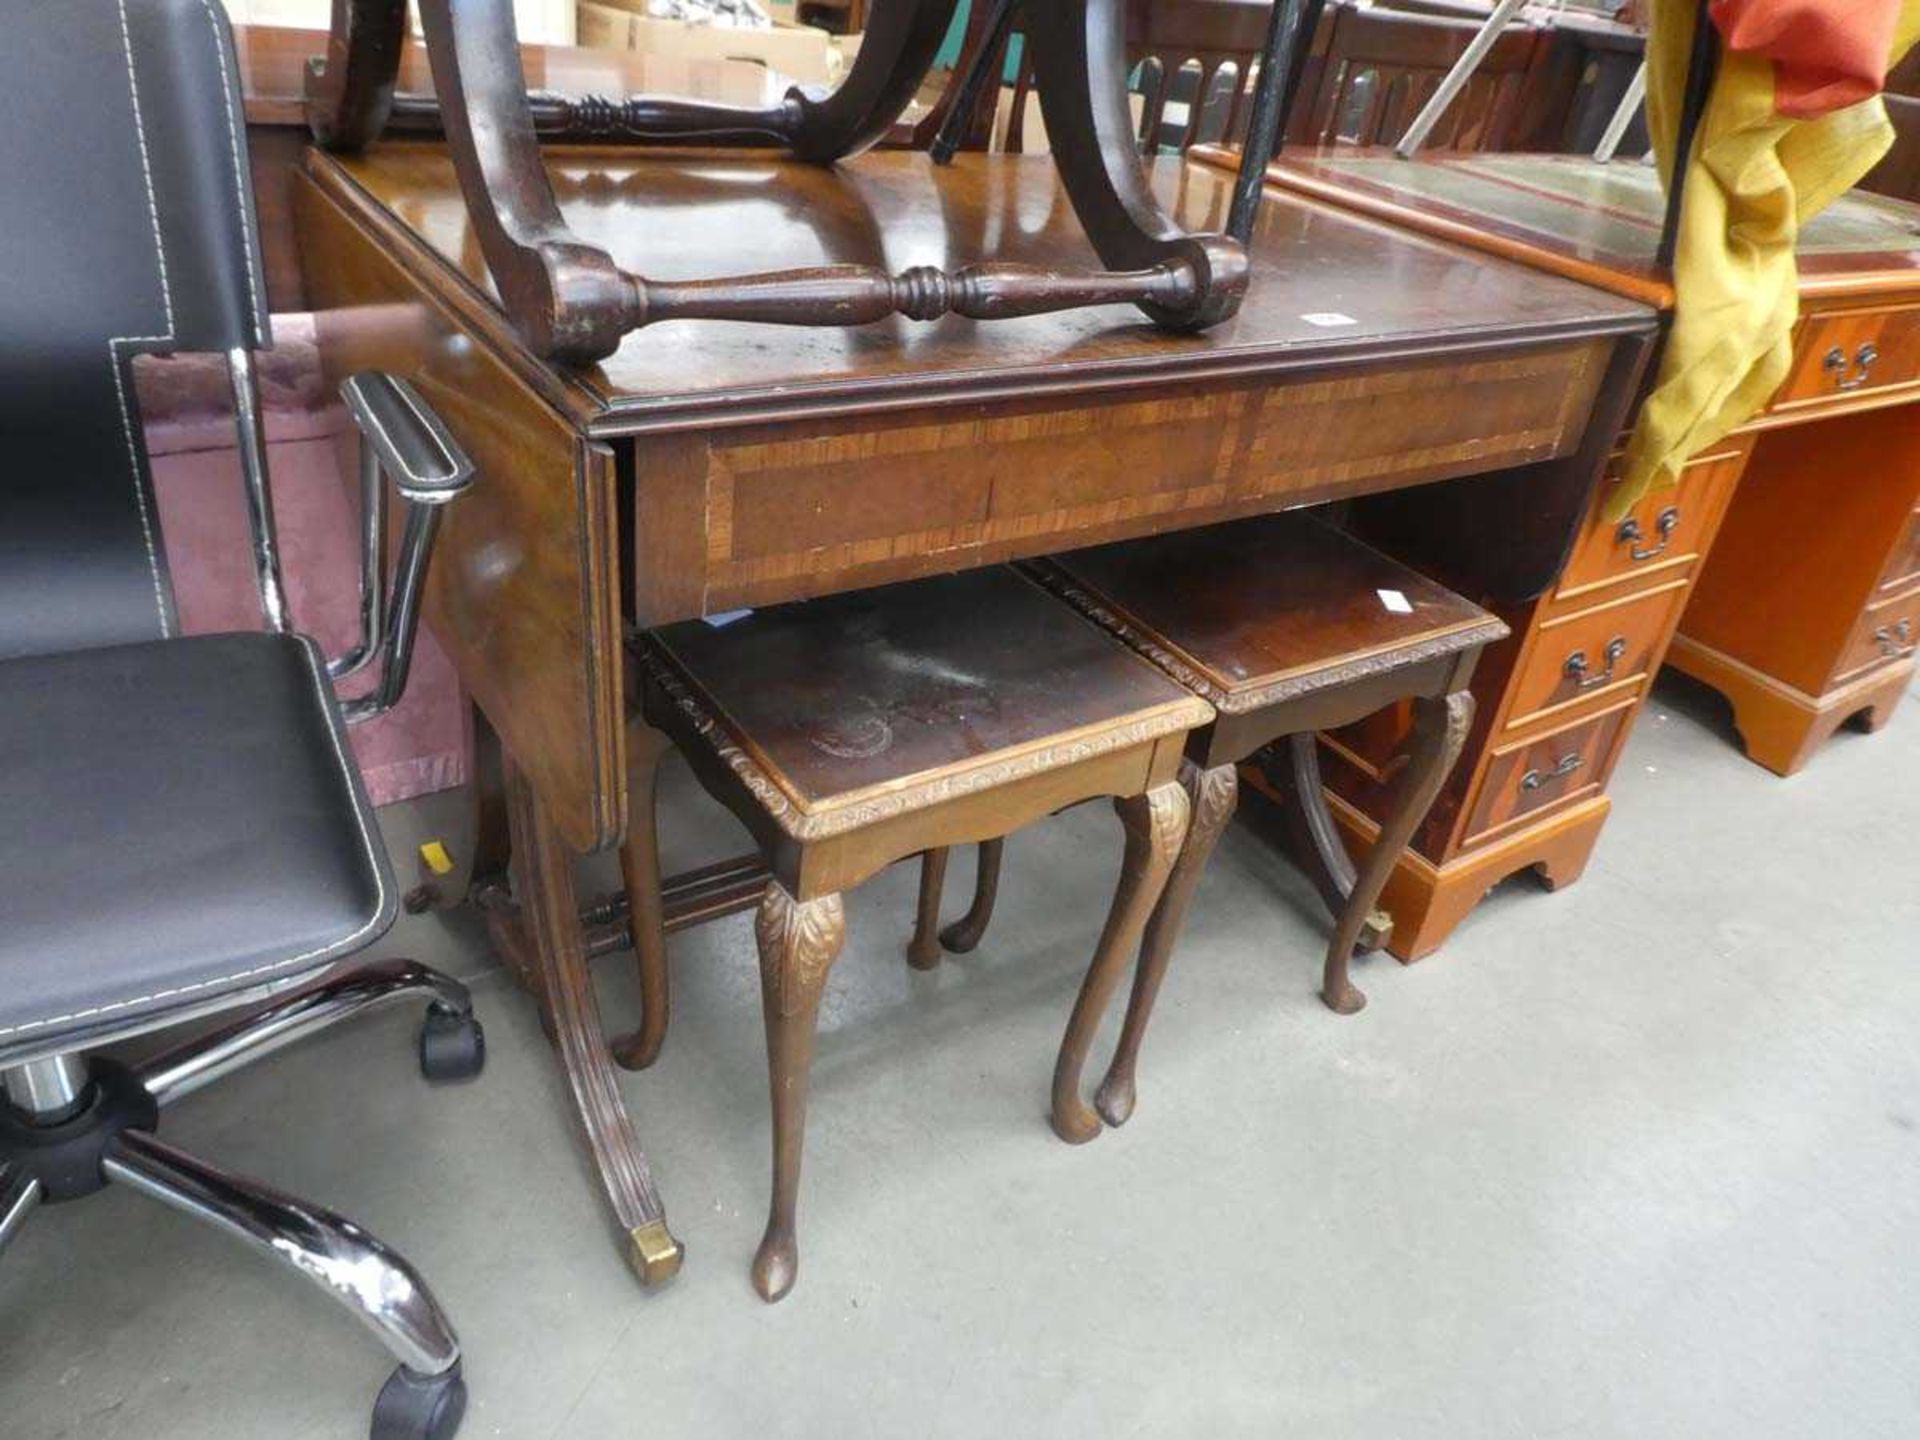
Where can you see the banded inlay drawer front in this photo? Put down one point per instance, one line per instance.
(1668, 528)
(1593, 652)
(1529, 777)
(1889, 630)
(1848, 353)
(759, 514)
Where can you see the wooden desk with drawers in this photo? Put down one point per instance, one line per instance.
(1784, 571)
(707, 466)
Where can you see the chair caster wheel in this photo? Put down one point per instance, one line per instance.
(452, 1045)
(420, 1407)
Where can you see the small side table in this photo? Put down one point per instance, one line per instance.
(1286, 626)
(854, 731)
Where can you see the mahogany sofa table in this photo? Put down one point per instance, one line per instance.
(1784, 570)
(705, 467)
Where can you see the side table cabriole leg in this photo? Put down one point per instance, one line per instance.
(1440, 725)
(1213, 795)
(966, 933)
(923, 951)
(799, 941)
(1156, 825)
(543, 883)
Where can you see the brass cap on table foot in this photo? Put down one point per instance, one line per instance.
(1375, 933)
(654, 1254)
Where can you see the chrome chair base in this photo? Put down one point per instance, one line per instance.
(69, 1128)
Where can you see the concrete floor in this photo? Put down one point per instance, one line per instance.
(1638, 1160)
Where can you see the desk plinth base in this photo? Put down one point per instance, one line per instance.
(1427, 901)
(1780, 726)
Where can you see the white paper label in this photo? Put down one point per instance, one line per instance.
(1329, 319)
(726, 618)
(1394, 601)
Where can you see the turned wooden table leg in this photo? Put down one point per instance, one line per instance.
(923, 951)
(798, 945)
(1156, 824)
(543, 882)
(1212, 795)
(966, 933)
(646, 917)
(1314, 839)
(1440, 725)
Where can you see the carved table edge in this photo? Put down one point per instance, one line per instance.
(1464, 636)
(1176, 716)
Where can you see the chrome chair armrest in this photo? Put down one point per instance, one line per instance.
(401, 440)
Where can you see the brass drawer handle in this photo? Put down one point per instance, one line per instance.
(1576, 666)
(1836, 364)
(1534, 779)
(1630, 533)
(1895, 640)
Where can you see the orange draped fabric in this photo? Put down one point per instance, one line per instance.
(1827, 54)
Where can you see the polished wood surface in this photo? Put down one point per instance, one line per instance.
(1284, 605)
(705, 467)
(1598, 223)
(744, 215)
(525, 589)
(903, 690)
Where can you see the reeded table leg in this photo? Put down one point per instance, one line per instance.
(1440, 726)
(1212, 795)
(798, 945)
(543, 882)
(1156, 824)
(646, 916)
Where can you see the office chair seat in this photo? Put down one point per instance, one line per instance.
(179, 821)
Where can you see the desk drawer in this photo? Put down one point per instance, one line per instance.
(1889, 630)
(1904, 568)
(1667, 528)
(1530, 777)
(1595, 651)
(1853, 352)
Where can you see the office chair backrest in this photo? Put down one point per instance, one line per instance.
(126, 226)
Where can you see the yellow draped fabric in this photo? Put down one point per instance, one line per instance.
(1757, 177)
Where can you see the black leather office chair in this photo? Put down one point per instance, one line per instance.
(182, 830)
